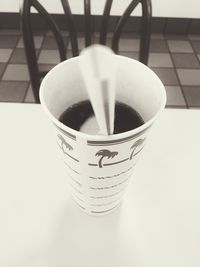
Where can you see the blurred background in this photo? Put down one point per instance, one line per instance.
(174, 51)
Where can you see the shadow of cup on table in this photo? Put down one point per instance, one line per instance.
(99, 167)
(82, 240)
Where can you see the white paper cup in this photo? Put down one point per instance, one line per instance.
(99, 167)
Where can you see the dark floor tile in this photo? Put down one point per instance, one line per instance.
(133, 24)
(183, 60)
(175, 96)
(111, 25)
(167, 75)
(39, 32)
(177, 25)
(80, 21)
(159, 46)
(134, 55)
(46, 67)
(158, 36)
(19, 56)
(194, 26)
(158, 25)
(8, 41)
(189, 77)
(50, 42)
(196, 46)
(81, 34)
(12, 91)
(126, 35)
(2, 67)
(192, 95)
(10, 32)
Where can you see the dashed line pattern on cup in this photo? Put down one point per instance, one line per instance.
(109, 187)
(108, 196)
(112, 176)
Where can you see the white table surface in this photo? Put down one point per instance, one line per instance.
(157, 225)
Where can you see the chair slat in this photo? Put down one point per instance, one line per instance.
(29, 48)
(122, 21)
(54, 28)
(145, 31)
(29, 42)
(145, 28)
(71, 25)
(105, 21)
(88, 30)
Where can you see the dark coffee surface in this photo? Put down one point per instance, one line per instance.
(126, 118)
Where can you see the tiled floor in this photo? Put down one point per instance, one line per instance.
(174, 58)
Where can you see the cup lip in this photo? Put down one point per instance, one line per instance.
(101, 137)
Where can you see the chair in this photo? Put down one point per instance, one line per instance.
(26, 27)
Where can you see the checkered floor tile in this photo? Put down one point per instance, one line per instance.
(174, 58)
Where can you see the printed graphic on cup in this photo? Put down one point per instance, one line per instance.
(99, 167)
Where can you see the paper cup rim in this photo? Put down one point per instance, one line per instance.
(101, 137)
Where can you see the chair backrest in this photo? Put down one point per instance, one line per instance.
(26, 27)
